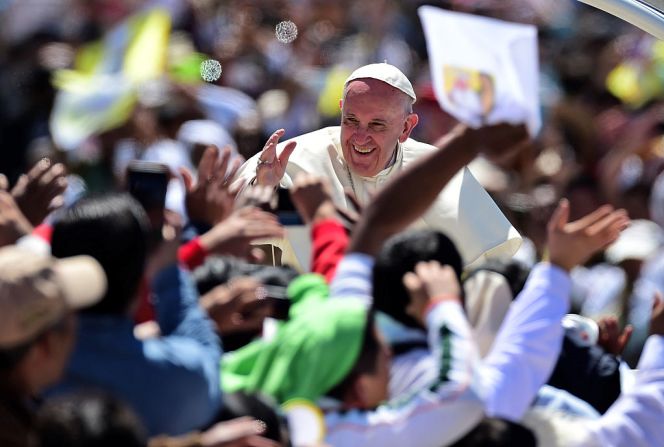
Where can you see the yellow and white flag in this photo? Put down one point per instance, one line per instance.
(484, 71)
(100, 92)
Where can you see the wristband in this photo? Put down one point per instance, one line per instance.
(436, 300)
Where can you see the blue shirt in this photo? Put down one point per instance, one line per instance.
(172, 381)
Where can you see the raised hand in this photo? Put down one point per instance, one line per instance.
(13, 224)
(166, 253)
(499, 142)
(572, 243)
(271, 168)
(234, 235)
(210, 199)
(40, 191)
(312, 198)
(429, 284)
(610, 336)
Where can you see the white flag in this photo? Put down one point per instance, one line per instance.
(484, 71)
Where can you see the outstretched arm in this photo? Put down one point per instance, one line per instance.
(529, 340)
(446, 410)
(410, 194)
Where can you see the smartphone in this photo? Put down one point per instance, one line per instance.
(147, 182)
(286, 212)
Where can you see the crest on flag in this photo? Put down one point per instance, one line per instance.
(470, 89)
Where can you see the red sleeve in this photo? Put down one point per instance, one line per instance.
(329, 241)
(192, 254)
(145, 309)
(44, 231)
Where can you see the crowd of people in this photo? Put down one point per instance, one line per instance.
(461, 286)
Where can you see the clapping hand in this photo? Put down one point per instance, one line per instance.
(271, 167)
(572, 243)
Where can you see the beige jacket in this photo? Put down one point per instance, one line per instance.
(464, 210)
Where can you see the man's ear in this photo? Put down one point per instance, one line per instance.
(341, 103)
(409, 124)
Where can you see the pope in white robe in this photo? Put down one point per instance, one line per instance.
(371, 146)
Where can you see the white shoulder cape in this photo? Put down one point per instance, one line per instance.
(464, 211)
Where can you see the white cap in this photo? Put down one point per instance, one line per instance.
(639, 241)
(387, 73)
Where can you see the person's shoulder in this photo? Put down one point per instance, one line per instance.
(414, 145)
(413, 149)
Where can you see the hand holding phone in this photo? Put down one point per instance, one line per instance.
(147, 182)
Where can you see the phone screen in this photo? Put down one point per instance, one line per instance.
(147, 182)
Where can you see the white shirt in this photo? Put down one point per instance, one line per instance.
(636, 419)
(435, 416)
(464, 210)
(522, 357)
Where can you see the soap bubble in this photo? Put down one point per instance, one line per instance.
(210, 70)
(286, 31)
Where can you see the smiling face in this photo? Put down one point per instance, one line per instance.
(374, 117)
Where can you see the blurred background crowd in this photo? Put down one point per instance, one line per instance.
(80, 85)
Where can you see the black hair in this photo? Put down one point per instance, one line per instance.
(366, 360)
(114, 230)
(491, 432)
(398, 256)
(88, 419)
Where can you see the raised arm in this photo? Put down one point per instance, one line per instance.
(529, 340)
(446, 410)
(411, 193)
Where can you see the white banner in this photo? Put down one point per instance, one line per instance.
(484, 71)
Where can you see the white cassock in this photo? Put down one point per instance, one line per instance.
(464, 211)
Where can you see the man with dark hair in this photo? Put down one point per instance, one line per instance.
(38, 297)
(400, 255)
(172, 382)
